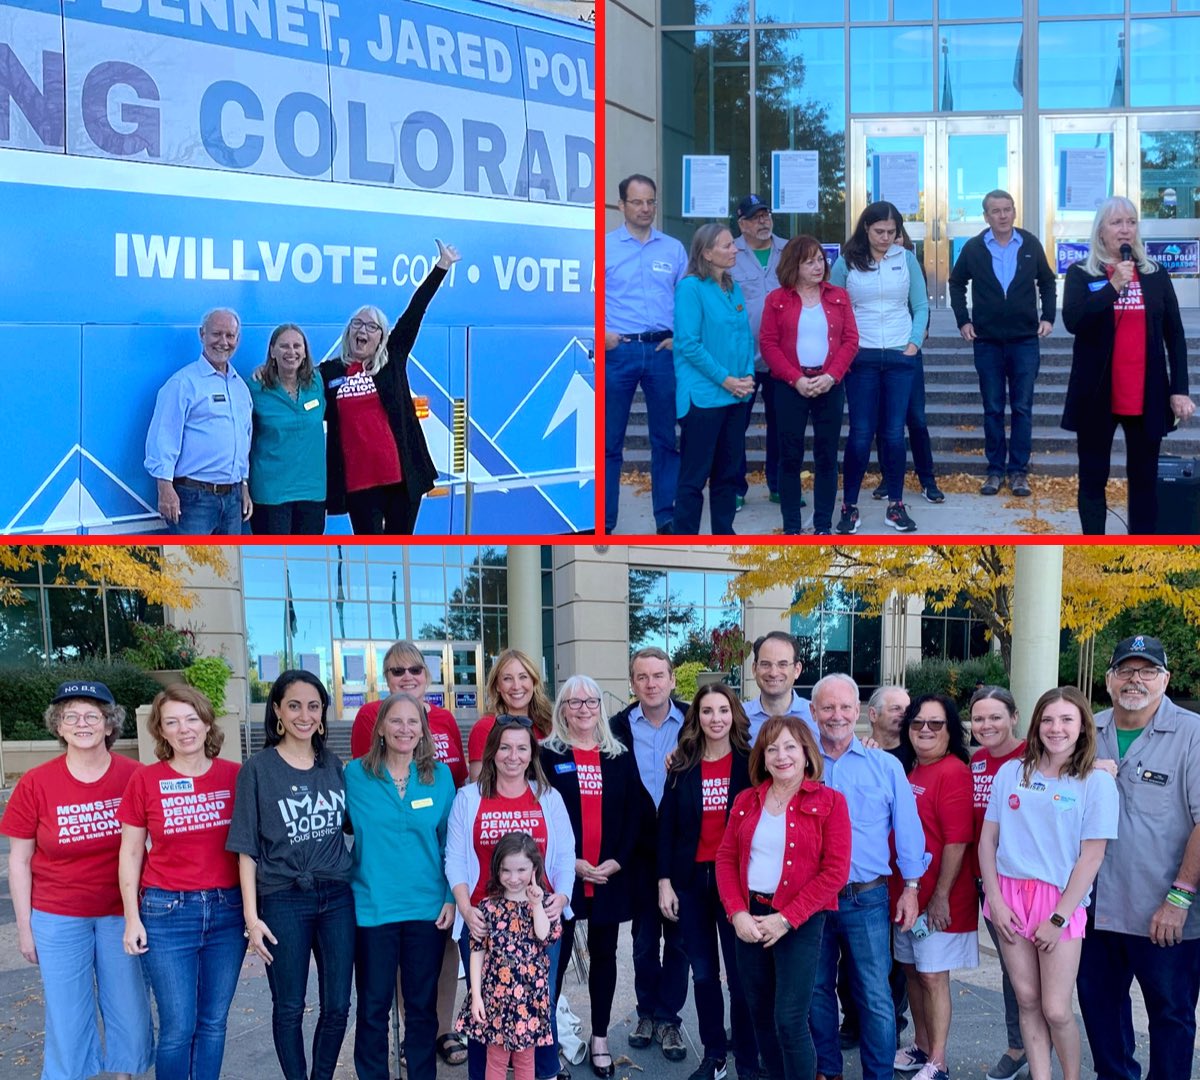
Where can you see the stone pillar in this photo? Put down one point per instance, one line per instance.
(1037, 613)
(525, 600)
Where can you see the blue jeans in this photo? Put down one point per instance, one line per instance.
(194, 958)
(1011, 365)
(779, 987)
(416, 948)
(794, 413)
(1170, 982)
(918, 433)
(545, 1058)
(769, 386)
(625, 366)
(878, 389)
(315, 922)
(201, 513)
(83, 960)
(660, 984)
(711, 445)
(860, 928)
(703, 924)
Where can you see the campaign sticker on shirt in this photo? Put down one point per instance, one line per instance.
(1063, 802)
(184, 785)
(564, 767)
(659, 266)
(1096, 286)
(311, 404)
(218, 397)
(1037, 785)
(1158, 778)
(333, 384)
(978, 766)
(1014, 802)
(420, 804)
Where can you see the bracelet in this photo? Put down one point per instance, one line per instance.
(1184, 888)
(1179, 899)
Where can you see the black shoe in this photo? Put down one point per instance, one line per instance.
(847, 1037)
(1018, 484)
(563, 1072)
(673, 1046)
(643, 1034)
(849, 522)
(897, 517)
(711, 1068)
(932, 492)
(666, 529)
(602, 1071)
(880, 492)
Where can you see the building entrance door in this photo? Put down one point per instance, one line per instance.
(937, 172)
(455, 668)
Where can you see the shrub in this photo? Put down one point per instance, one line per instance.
(26, 691)
(955, 678)
(209, 675)
(161, 648)
(685, 679)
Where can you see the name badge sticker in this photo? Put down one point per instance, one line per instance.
(218, 397)
(564, 767)
(659, 266)
(309, 405)
(333, 384)
(1096, 286)
(421, 804)
(183, 785)
(1158, 779)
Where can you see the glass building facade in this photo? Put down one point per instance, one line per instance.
(985, 95)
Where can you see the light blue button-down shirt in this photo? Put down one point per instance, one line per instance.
(799, 707)
(1004, 257)
(201, 426)
(651, 745)
(640, 280)
(881, 802)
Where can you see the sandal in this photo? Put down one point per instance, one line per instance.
(451, 1048)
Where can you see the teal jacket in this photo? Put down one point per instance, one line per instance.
(712, 342)
(399, 852)
(287, 450)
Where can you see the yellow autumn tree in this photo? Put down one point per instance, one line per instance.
(1098, 582)
(157, 573)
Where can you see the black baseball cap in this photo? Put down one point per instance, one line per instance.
(94, 691)
(750, 206)
(1147, 648)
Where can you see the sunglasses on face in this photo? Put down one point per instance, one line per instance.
(928, 725)
(413, 669)
(514, 721)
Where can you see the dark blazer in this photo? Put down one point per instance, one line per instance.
(416, 465)
(679, 817)
(1088, 314)
(621, 812)
(995, 314)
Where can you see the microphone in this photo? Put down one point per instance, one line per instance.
(1126, 255)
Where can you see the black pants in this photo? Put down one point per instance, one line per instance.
(1141, 468)
(660, 981)
(602, 967)
(793, 413)
(711, 444)
(389, 510)
(288, 519)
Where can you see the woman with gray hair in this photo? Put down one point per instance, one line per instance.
(1128, 366)
(714, 374)
(377, 463)
(598, 782)
(62, 873)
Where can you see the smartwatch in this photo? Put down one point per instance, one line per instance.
(1058, 920)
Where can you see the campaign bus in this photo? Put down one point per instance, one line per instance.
(295, 160)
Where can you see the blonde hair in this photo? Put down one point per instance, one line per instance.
(541, 711)
(1098, 258)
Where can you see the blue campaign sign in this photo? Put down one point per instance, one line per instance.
(1067, 252)
(1175, 256)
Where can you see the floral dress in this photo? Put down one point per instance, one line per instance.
(516, 978)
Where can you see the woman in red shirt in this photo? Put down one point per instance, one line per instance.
(605, 800)
(514, 688)
(62, 873)
(377, 463)
(709, 770)
(183, 904)
(783, 858)
(933, 751)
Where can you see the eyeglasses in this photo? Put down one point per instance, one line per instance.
(774, 665)
(1144, 674)
(514, 721)
(413, 669)
(640, 204)
(928, 725)
(363, 324)
(583, 702)
(91, 719)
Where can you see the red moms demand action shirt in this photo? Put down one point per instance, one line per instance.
(714, 795)
(591, 791)
(1129, 350)
(498, 816)
(77, 836)
(368, 445)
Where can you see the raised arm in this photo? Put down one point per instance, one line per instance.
(404, 333)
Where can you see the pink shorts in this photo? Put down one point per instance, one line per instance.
(1033, 902)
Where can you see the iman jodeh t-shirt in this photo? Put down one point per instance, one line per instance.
(187, 819)
(498, 816)
(368, 445)
(714, 805)
(983, 771)
(76, 835)
(1043, 823)
(443, 729)
(1129, 350)
(591, 792)
(289, 821)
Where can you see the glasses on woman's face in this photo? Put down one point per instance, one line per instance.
(514, 721)
(88, 719)
(365, 324)
(928, 725)
(411, 669)
(583, 703)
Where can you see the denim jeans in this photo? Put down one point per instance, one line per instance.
(1011, 366)
(793, 413)
(545, 1058)
(82, 960)
(703, 924)
(919, 442)
(310, 922)
(1170, 982)
(779, 987)
(416, 948)
(201, 513)
(770, 388)
(194, 958)
(1141, 469)
(625, 366)
(660, 981)
(878, 388)
(862, 929)
(711, 444)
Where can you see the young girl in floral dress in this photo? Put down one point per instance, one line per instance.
(508, 1007)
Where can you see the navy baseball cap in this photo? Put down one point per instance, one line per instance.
(1147, 648)
(750, 206)
(94, 691)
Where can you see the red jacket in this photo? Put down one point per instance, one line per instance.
(777, 338)
(817, 863)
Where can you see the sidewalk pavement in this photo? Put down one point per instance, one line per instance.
(976, 1038)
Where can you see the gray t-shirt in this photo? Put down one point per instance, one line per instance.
(290, 821)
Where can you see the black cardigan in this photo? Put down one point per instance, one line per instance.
(621, 812)
(679, 818)
(416, 465)
(996, 315)
(1088, 314)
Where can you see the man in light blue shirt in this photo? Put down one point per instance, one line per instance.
(642, 266)
(198, 443)
(880, 803)
(777, 666)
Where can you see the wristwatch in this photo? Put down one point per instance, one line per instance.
(1058, 920)
(912, 883)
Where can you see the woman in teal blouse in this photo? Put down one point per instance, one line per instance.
(287, 449)
(398, 798)
(714, 374)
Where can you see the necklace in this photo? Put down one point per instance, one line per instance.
(780, 803)
(400, 783)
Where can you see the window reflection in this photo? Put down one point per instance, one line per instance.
(1081, 7)
(1162, 62)
(982, 68)
(890, 70)
(868, 10)
(21, 629)
(704, 12)
(903, 10)
(979, 9)
(1080, 65)
(1170, 164)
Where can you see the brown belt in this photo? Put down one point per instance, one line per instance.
(856, 887)
(200, 485)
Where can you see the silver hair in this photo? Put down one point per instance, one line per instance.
(559, 739)
(836, 676)
(214, 312)
(876, 700)
(379, 361)
(1098, 258)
